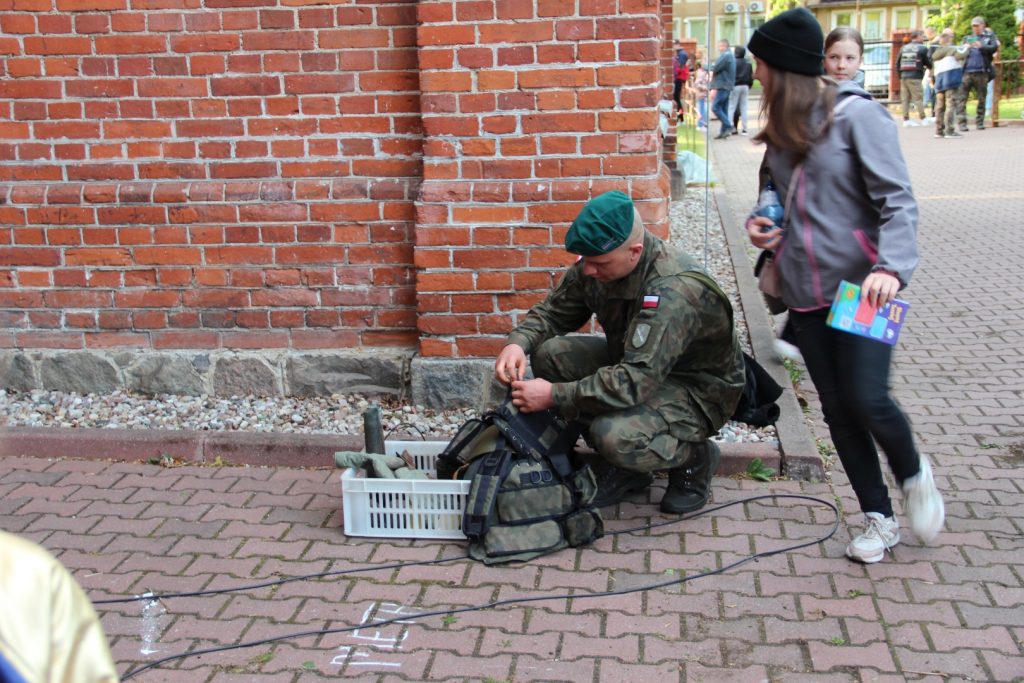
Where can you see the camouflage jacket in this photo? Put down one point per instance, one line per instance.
(668, 333)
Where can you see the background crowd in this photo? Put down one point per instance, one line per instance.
(938, 78)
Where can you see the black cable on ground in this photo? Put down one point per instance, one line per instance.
(496, 603)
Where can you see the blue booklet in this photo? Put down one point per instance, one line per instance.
(850, 314)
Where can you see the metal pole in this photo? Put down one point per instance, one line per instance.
(373, 432)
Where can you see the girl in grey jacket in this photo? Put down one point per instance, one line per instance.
(850, 215)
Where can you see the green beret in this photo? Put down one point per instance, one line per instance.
(603, 225)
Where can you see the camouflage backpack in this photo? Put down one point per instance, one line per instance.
(526, 498)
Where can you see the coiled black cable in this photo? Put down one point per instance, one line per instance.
(496, 603)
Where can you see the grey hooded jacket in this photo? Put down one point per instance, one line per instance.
(852, 211)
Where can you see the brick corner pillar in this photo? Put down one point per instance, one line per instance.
(530, 108)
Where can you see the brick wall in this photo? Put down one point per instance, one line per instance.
(226, 174)
(529, 109)
(259, 174)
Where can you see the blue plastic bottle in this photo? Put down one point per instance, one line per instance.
(768, 205)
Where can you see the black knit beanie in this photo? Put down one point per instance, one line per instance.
(792, 41)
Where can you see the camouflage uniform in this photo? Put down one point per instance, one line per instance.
(666, 376)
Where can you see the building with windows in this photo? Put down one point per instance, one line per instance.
(877, 20)
(734, 21)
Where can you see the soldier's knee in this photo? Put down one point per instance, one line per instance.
(633, 447)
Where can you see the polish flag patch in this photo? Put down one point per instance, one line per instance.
(651, 301)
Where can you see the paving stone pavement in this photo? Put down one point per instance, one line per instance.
(953, 611)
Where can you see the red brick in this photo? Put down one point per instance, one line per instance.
(448, 34)
(556, 54)
(167, 255)
(30, 88)
(619, 28)
(452, 81)
(573, 30)
(612, 76)
(354, 38)
(136, 44)
(47, 340)
(597, 52)
(29, 257)
(239, 254)
(487, 347)
(560, 123)
(546, 78)
(444, 281)
(520, 32)
(183, 339)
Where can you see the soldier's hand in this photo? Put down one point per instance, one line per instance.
(510, 365)
(532, 395)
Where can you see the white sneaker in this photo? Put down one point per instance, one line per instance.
(927, 121)
(923, 503)
(907, 123)
(786, 351)
(880, 534)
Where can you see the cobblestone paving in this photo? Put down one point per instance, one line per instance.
(950, 612)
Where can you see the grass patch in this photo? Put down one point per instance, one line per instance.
(1011, 108)
(689, 139)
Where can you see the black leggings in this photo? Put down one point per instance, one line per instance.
(851, 374)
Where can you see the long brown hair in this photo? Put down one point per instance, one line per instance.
(787, 104)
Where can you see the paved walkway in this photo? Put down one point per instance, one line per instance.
(951, 612)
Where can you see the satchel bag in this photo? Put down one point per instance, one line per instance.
(765, 271)
(768, 282)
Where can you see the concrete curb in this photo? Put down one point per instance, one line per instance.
(798, 450)
(247, 448)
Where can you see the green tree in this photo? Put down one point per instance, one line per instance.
(776, 7)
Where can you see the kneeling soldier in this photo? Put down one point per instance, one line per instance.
(664, 378)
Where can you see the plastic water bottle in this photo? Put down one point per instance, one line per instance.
(769, 206)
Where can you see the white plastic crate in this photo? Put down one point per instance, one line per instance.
(404, 508)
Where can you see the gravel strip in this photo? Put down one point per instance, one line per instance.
(337, 414)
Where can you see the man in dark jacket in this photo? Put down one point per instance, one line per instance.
(977, 72)
(913, 62)
(664, 376)
(741, 91)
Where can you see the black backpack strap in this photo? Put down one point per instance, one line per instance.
(558, 454)
(537, 434)
(486, 474)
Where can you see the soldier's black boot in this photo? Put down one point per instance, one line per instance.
(614, 484)
(689, 486)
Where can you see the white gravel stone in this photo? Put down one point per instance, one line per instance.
(339, 414)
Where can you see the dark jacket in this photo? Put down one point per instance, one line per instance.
(987, 44)
(914, 59)
(744, 73)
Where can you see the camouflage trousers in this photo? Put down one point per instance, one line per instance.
(978, 82)
(638, 438)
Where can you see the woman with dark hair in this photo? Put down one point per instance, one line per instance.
(850, 215)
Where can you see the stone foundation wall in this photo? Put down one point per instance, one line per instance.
(427, 382)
